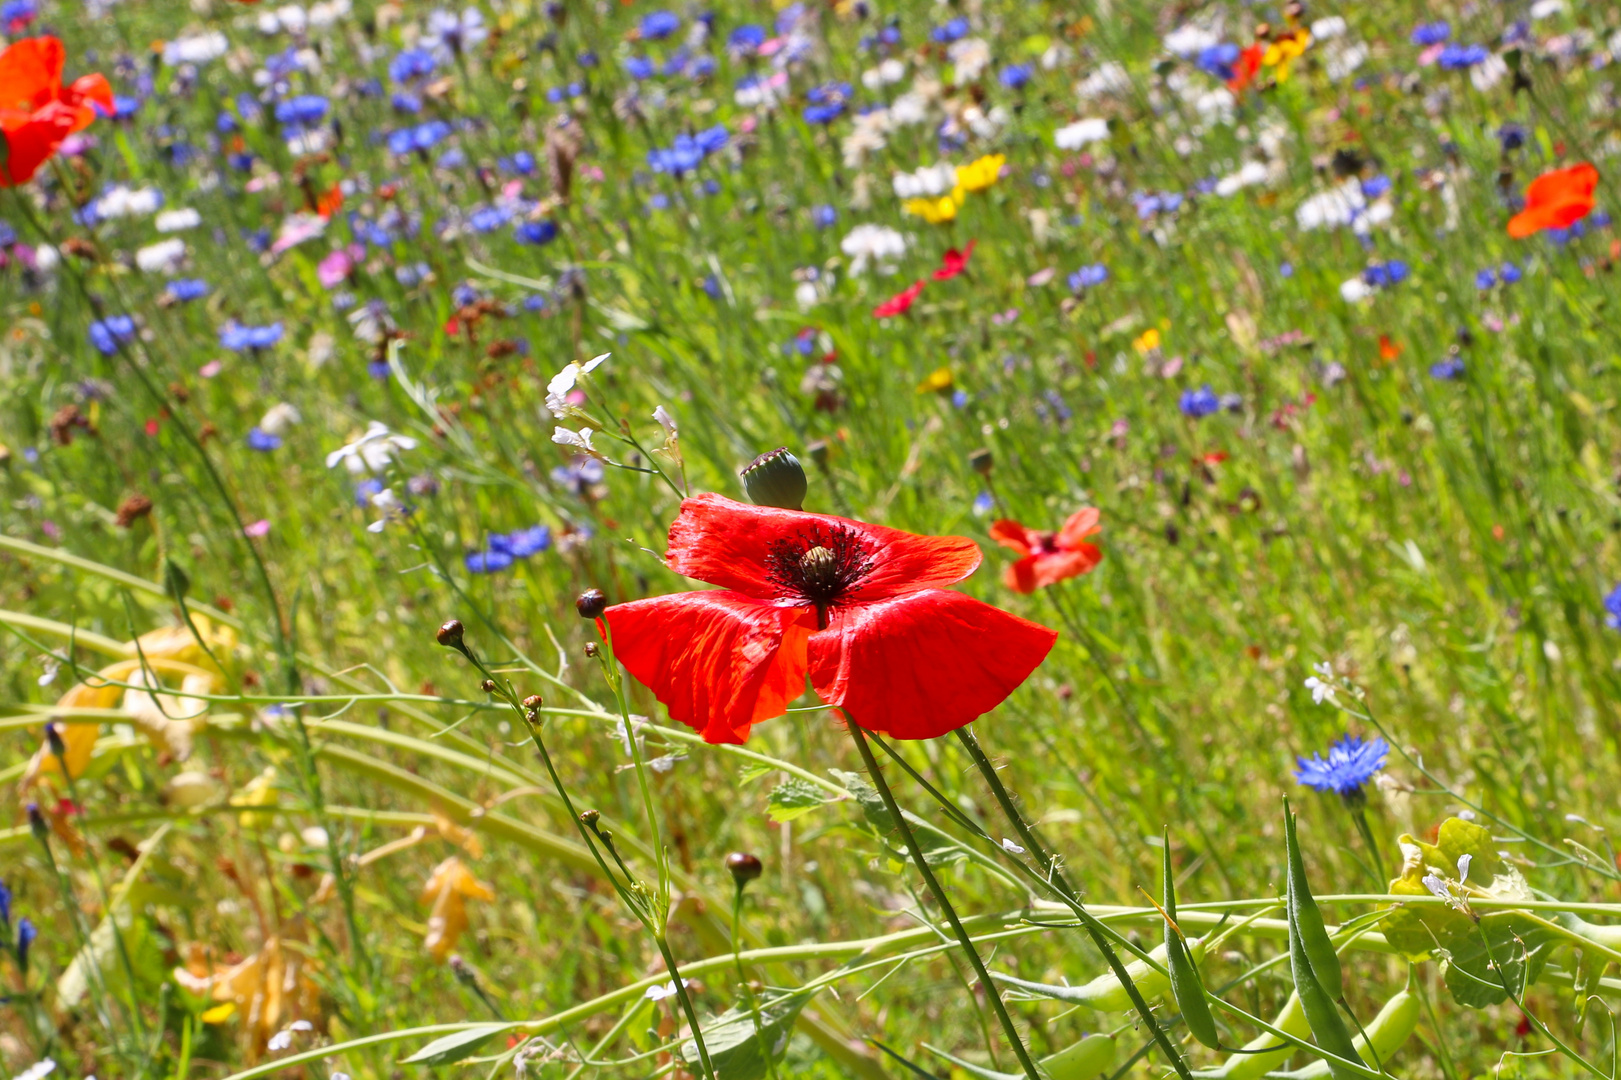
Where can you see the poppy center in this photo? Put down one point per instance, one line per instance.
(822, 569)
(1046, 543)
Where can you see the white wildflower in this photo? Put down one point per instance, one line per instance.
(930, 181)
(1191, 38)
(1081, 133)
(1321, 684)
(889, 72)
(563, 383)
(38, 1071)
(195, 48)
(388, 504)
(1011, 847)
(372, 452)
(970, 57)
(165, 255)
(177, 220)
(580, 440)
(1111, 78)
(279, 418)
(659, 993)
(1337, 206)
(1253, 172)
(872, 243)
(666, 421)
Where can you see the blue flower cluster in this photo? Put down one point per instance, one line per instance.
(502, 549)
(1351, 763)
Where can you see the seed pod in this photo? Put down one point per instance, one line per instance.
(1325, 962)
(591, 604)
(1321, 1014)
(450, 634)
(1185, 985)
(1385, 1035)
(1106, 993)
(1086, 1060)
(1273, 1051)
(776, 478)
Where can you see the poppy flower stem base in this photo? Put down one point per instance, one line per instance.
(939, 894)
(1055, 878)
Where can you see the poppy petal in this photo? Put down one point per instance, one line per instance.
(1039, 571)
(1010, 534)
(919, 666)
(719, 661)
(727, 543)
(31, 72)
(1081, 524)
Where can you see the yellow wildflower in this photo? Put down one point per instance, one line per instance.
(1148, 341)
(935, 211)
(1284, 51)
(938, 381)
(981, 174)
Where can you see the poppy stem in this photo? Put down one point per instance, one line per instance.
(933, 883)
(1055, 876)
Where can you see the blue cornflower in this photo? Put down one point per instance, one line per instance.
(639, 67)
(15, 15)
(488, 218)
(580, 475)
(421, 137)
(304, 109)
(263, 441)
(5, 904)
(487, 562)
(586, 58)
(522, 163)
(239, 338)
(824, 216)
(1351, 763)
(712, 139)
(1511, 136)
(1510, 273)
(1199, 403)
(1459, 57)
(955, 30)
(535, 232)
(124, 107)
(1431, 33)
(983, 504)
(1612, 609)
(1450, 368)
(1016, 76)
(411, 64)
(531, 541)
(745, 40)
(366, 489)
(823, 114)
(1218, 60)
(409, 104)
(26, 933)
(682, 157)
(1088, 276)
(1383, 275)
(1375, 186)
(1485, 279)
(658, 25)
(107, 334)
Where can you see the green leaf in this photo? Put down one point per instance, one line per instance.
(737, 1049)
(752, 771)
(794, 798)
(1521, 949)
(937, 851)
(456, 1047)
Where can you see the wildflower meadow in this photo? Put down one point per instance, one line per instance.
(971, 540)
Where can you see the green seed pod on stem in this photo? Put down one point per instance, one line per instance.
(1325, 962)
(1107, 993)
(1266, 1051)
(1383, 1036)
(1186, 987)
(1321, 1013)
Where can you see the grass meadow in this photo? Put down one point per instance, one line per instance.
(297, 331)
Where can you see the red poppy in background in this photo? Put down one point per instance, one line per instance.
(863, 610)
(1556, 200)
(954, 262)
(899, 303)
(1048, 558)
(1247, 67)
(37, 113)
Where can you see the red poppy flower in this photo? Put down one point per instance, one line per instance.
(863, 610)
(954, 262)
(899, 303)
(37, 113)
(1048, 558)
(1556, 200)
(1247, 67)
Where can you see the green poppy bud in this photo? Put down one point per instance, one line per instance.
(777, 479)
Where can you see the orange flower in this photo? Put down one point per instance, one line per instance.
(1556, 200)
(1048, 558)
(448, 890)
(37, 113)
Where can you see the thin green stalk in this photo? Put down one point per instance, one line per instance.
(922, 863)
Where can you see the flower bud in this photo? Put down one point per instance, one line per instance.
(981, 460)
(488, 686)
(776, 478)
(533, 701)
(591, 604)
(53, 736)
(37, 823)
(450, 634)
(589, 818)
(591, 650)
(744, 868)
